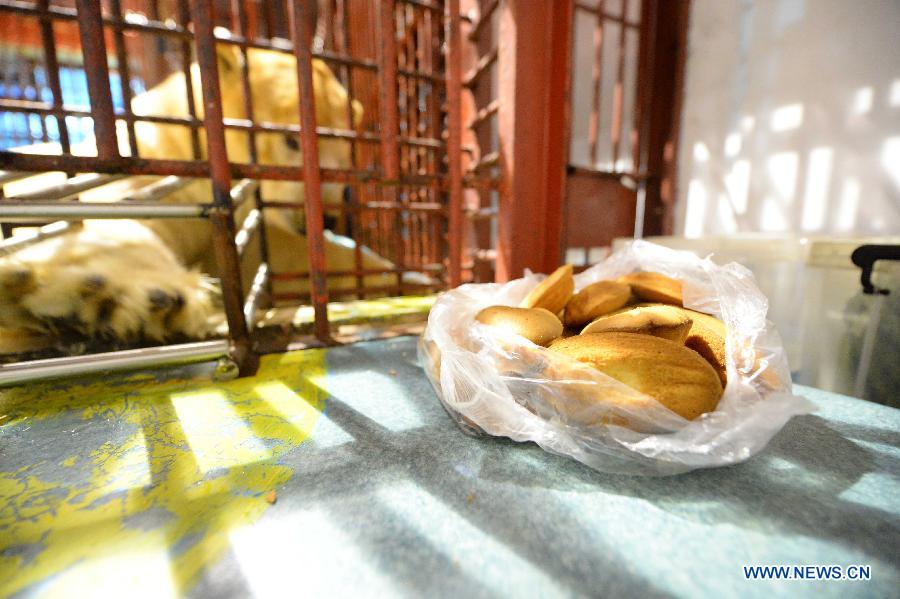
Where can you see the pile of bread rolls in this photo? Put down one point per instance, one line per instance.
(633, 329)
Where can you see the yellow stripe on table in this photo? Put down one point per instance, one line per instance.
(190, 461)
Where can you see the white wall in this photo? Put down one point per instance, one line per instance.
(791, 118)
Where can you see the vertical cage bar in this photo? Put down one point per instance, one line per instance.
(408, 162)
(239, 13)
(422, 219)
(93, 48)
(355, 190)
(240, 17)
(30, 76)
(222, 219)
(670, 22)
(302, 23)
(643, 114)
(640, 91)
(154, 60)
(328, 39)
(184, 18)
(485, 42)
(453, 66)
(115, 7)
(594, 129)
(390, 120)
(268, 10)
(619, 93)
(433, 25)
(52, 64)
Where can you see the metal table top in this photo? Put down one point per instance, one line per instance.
(338, 472)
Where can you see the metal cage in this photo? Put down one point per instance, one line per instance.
(459, 170)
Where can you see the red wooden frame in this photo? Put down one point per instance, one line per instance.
(533, 95)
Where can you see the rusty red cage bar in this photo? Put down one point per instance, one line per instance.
(302, 36)
(93, 48)
(387, 101)
(124, 73)
(223, 219)
(594, 131)
(184, 17)
(618, 89)
(480, 152)
(255, 222)
(52, 69)
(454, 140)
(347, 80)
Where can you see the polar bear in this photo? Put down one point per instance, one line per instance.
(132, 280)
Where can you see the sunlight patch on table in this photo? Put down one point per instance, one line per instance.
(218, 437)
(303, 554)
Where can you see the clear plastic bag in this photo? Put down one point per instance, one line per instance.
(500, 384)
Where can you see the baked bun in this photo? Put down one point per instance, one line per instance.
(654, 287)
(672, 374)
(596, 300)
(553, 293)
(538, 325)
(659, 320)
(707, 338)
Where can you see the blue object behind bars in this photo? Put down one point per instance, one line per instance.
(19, 129)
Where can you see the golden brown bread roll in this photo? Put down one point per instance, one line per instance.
(538, 325)
(659, 320)
(654, 287)
(707, 338)
(596, 300)
(552, 293)
(672, 374)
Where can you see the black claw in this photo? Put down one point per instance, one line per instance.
(17, 279)
(93, 284)
(67, 325)
(160, 300)
(105, 309)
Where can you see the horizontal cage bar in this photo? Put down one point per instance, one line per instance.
(184, 353)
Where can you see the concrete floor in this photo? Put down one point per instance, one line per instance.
(338, 472)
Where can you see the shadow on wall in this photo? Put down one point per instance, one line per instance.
(792, 118)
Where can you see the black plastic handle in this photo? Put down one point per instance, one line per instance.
(865, 257)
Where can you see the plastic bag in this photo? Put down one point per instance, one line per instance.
(500, 384)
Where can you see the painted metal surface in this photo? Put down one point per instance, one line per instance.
(157, 474)
(161, 485)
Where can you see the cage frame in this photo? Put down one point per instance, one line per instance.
(530, 186)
